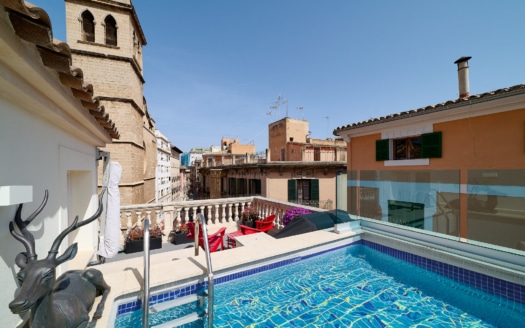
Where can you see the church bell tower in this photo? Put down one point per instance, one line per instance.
(106, 41)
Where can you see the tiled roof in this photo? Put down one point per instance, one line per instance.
(449, 105)
(32, 24)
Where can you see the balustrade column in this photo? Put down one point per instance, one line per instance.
(217, 214)
(230, 219)
(194, 208)
(211, 219)
(281, 214)
(157, 217)
(242, 207)
(129, 224)
(138, 215)
(223, 206)
(187, 214)
(177, 219)
(139, 221)
(236, 212)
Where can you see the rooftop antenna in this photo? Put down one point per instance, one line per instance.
(327, 124)
(301, 108)
(277, 104)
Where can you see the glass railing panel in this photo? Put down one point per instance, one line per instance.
(496, 207)
(422, 199)
(341, 199)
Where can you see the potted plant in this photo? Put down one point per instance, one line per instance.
(248, 216)
(290, 214)
(179, 235)
(135, 239)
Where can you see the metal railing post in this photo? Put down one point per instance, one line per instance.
(145, 298)
(196, 235)
(210, 271)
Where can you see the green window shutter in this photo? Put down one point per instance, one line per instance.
(382, 150)
(258, 187)
(292, 190)
(431, 145)
(314, 189)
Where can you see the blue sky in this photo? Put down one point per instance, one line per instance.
(214, 68)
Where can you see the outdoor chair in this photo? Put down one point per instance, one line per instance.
(191, 230)
(265, 224)
(215, 240)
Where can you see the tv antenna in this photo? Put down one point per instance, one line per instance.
(286, 102)
(276, 106)
(327, 126)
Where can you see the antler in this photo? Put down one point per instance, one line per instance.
(26, 237)
(56, 244)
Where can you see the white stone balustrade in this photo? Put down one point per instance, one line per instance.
(219, 212)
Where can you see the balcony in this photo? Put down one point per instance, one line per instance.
(224, 212)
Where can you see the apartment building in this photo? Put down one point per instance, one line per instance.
(296, 168)
(178, 172)
(163, 175)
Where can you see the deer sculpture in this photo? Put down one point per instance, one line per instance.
(64, 302)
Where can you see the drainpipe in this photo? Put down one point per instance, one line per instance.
(463, 80)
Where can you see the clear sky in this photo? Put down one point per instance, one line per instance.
(214, 69)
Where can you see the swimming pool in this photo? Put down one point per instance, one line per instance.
(358, 284)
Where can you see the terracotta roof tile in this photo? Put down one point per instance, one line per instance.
(448, 105)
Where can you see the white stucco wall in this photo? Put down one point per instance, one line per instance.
(36, 153)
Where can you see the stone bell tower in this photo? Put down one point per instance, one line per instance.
(106, 41)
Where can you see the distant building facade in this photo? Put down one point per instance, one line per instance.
(303, 171)
(106, 39)
(163, 174)
(177, 176)
(288, 141)
(233, 146)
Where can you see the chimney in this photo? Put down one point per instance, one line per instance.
(464, 89)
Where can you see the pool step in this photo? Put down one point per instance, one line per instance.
(188, 313)
(188, 319)
(176, 302)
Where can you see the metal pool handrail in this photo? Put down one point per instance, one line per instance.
(145, 298)
(200, 217)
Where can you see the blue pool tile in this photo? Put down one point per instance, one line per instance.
(502, 288)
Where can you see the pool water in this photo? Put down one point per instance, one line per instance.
(355, 286)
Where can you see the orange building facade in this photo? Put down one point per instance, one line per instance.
(456, 168)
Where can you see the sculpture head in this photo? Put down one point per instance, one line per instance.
(36, 278)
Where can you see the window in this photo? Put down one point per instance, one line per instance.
(407, 148)
(254, 187)
(111, 31)
(317, 154)
(427, 145)
(304, 191)
(88, 26)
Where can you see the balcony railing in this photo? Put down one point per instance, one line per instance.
(218, 212)
(486, 206)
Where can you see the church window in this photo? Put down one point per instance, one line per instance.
(88, 26)
(111, 31)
